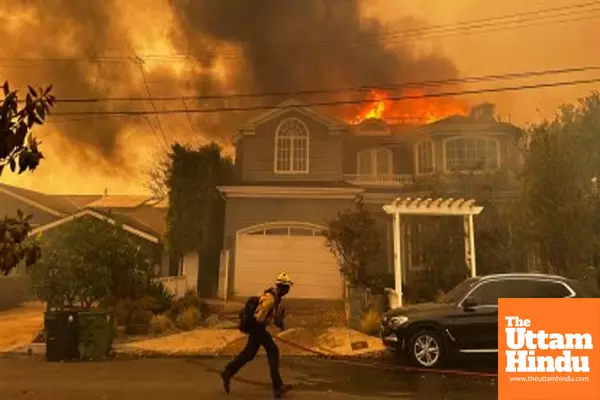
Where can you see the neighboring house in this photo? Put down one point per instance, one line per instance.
(297, 168)
(142, 217)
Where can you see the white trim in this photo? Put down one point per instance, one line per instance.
(289, 192)
(433, 207)
(32, 203)
(471, 136)
(374, 151)
(417, 157)
(291, 171)
(335, 126)
(100, 216)
(279, 224)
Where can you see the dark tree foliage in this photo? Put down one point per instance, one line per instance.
(558, 205)
(195, 219)
(19, 150)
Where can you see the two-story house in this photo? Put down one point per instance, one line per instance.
(297, 168)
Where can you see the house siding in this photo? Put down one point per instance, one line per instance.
(246, 212)
(325, 153)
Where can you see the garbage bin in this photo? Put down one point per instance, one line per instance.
(96, 334)
(62, 335)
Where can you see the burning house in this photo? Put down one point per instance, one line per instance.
(298, 167)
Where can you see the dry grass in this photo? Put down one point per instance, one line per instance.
(19, 326)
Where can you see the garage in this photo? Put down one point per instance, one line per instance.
(263, 252)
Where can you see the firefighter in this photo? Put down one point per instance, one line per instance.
(268, 311)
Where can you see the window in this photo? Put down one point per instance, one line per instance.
(471, 154)
(489, 292)
(286, 230)
(375, 162)
(424, 157)
(291, 147)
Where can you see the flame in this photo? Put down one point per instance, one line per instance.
(419, 110)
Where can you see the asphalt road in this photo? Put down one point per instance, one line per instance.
(24, 378)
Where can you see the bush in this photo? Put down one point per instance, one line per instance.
(162, 296)
(190, 300)
(161, 323)
(189, 319)
(139, 322)
(371, 322)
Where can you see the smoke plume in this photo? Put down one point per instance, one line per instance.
(223, 47)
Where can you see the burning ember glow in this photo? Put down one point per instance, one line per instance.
(418, 111)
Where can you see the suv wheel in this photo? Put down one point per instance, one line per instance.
(426, 349)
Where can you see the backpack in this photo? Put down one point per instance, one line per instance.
(247, 321)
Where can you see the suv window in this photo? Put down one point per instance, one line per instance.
(489, 292)
(549, 289)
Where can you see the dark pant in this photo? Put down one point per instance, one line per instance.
(258, 337)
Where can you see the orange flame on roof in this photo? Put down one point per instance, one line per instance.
(417, 111)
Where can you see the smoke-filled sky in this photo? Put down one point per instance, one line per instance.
(199, 47)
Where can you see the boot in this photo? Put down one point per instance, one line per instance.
(226, 381)
(283, 389)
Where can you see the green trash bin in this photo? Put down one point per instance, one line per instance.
(97, 333)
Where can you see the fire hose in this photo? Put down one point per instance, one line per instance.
(382, 365)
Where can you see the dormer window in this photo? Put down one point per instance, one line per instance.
(291, 147)
(375, 162)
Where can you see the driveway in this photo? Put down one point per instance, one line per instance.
(148, 379)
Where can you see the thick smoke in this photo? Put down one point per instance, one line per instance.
(273, 46)
(290, 46)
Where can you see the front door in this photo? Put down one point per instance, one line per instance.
(475, 328)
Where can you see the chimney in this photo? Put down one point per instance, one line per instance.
(484, 112)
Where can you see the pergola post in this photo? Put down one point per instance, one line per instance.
(470, 244)
(465, 208)
(397, 258)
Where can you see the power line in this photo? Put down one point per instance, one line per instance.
(428, 31)
(333, 103)
(386, 86)
(162, 132)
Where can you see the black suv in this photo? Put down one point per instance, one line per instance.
(465, 320)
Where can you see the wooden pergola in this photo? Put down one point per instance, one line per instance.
(434, 207)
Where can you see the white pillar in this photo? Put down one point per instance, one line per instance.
(472, 245)
(398, 258)
(469, 244)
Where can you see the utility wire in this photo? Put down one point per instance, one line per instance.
(333, 103)
(386, 87)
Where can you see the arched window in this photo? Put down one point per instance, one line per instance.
(471, 154)
(375, 162)
(424, 161)
(291, 147)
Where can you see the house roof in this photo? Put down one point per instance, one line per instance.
(130, 225)
(141, 213)
(331, 122)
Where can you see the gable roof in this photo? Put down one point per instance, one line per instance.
(288, 105)
(128, 224)
(57, 205)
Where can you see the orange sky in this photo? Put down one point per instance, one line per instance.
(551, 46)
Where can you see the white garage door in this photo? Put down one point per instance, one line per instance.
(298, 250)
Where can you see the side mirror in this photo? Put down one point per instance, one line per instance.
(469, 303)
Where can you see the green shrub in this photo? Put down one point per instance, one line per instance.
(189, 319)
(161, 323)
(161, 295)
(190, 300)
(139, 322)
(371, 323)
